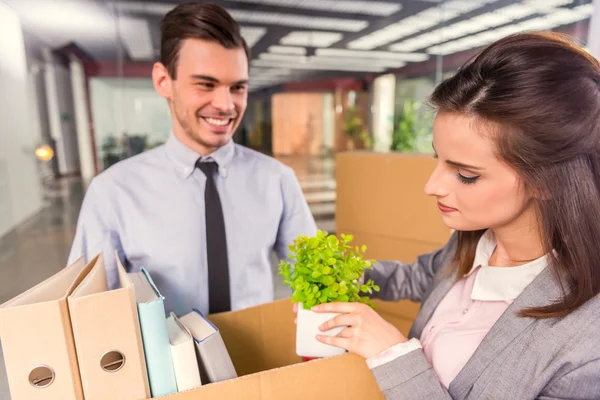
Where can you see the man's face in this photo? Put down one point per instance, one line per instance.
(209, 95)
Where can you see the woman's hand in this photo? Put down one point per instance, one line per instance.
(366, 334)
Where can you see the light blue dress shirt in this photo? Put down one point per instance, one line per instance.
(150, 209)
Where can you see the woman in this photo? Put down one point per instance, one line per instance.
(509, 305)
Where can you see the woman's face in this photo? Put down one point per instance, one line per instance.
(474, 189)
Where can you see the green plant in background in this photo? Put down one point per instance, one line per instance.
(405, 129)
(353, 123)
(326, 269)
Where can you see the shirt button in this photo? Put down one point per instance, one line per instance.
(430, 329)
(466, 310)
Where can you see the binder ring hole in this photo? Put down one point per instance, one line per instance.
(41, 376)
(112, 361)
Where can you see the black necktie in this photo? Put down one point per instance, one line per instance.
(216, 243)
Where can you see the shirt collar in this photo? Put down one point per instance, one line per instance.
(185, 158)
(500, 283)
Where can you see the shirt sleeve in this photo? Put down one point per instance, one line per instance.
(97, 233)
(393, 353)
(296, 218)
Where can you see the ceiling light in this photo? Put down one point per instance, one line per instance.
(479, 23)
(416, 23)
(252, 34)
(549, 21)
(383, 55)
(313, 66)
(304, 21)
(256, 17)
(287, 50)
(135, 33)
(331, 60)
(315, 39)
(378, 8)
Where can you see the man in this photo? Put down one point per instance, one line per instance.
(200, 213)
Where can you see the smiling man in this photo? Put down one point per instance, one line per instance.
(200, 213)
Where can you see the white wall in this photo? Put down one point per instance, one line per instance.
(84, 139)
(20, 195)
(328, 121)
(382, 108)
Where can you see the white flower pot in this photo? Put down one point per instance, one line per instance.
(307, 329)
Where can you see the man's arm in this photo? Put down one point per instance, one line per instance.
(297, 218)
(97, 232)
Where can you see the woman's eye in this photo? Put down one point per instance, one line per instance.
(467, 180)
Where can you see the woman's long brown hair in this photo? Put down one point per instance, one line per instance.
(539, 96)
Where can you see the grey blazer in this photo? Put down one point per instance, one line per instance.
(520, 358)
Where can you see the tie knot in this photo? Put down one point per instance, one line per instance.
(209, 168)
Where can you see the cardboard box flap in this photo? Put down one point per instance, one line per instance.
(342, 377)
(259, 338)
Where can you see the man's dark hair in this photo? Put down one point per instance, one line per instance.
(196, 20)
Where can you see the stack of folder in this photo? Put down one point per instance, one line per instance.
(71, 338)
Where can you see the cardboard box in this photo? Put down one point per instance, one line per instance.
(262, 342)
(380, 200)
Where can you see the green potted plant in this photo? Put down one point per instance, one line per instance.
(405, 131)
(353, 127)
(323, 269)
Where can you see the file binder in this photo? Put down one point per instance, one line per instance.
(37, 341)
(107, 337)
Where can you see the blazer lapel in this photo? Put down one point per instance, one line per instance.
(542, 291)
(428, 307)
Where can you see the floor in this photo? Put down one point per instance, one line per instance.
(39, 248)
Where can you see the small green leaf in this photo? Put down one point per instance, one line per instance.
(363, 248)
(331, 261)
(328, 280)
(316, 274)
(343, 298)
(326, 270)
(343, 290)
(333, 241)
(298, 297)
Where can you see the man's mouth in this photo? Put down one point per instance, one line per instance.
(218, 122)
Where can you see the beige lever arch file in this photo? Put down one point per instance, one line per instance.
(107, 336)
(35, 330)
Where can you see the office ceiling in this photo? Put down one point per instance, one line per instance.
(300, 39)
